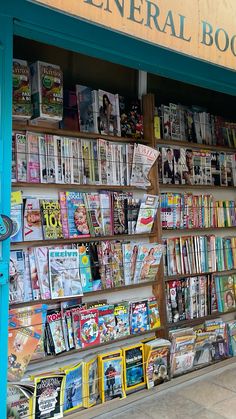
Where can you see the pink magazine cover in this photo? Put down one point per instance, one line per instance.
(32, 220)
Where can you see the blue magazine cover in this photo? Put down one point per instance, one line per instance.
(77, 216)
(139, 317)
(73, 394)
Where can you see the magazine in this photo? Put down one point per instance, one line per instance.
(121, 313)
(55, 331)
(89, 329)
(91, 381)
(109, 114)
(73, 391)
(33, 166)
(16, 277)
(106, 323)
(32, 220)
(64, 273)
(139, 317)
(41, 260)
(144, 158)
(51, 219)
(85, 268)
(18, 402)
(134, 366)
(85, 102)
(148, 261)
(48, 397)
(147, 213)
(17, 216)
(21, 157)
(77, 216)
(112, 384)
(93, 206)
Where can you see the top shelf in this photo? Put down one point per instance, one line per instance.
(77, 134)
(186, 144)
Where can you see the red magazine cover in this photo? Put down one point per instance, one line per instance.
(89, 331)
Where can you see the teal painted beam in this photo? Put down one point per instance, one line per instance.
(45, 25)
(6, 43)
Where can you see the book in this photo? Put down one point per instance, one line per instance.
(64, 274)
(134, 367)
(138, 317)
(89, 329)
(73, 390)
(48, 396)
(51, 219)
(77, 216)
(147, 214)
(16, 277)
(32, 220)
(144, 158)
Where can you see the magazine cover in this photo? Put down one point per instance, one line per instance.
(73, 391)
(85, 105)
(77, 216)
(147, 214)
(18, 403)
(109, 113)
(132, 212)
(75, 315)
(147, 262)
(139, 317)
(28, 291)
(153, 314)
(33, 274)
(105, 205)
(41, 260)
(119, 213)
(17, 216)
(33, 166)
(50, 158)
(64, 273)
(42, 158)
(126, 251)
(51, 219)
(64, 215)
(67, 326)
(112, 383)
(144, 158)
(32, 220)
(85, 268)
(55, 331)
(121, 313)
(117, 264)
(91, 381)
(106, 323)
(21, 157)
(48, 397)
(89, 329)
(93, 205)
(157, 361)
(16, 277)
(134, 366)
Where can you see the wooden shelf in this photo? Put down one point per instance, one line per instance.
(37, 243)
(198, 320)
(186, 144)
(85, 187)
(197, 229)
(86, 294)
(78, 134)
(172, 186)
(100, 345)
(173, 277)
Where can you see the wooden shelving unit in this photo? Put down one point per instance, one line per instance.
(74, 186)
(188, 187)
(198, 320)
(186, 144)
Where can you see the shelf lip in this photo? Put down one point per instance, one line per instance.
(198, 319)
(100, 345)
(168, 278)
(179, 230)
(86, 294)
(64, 186)
(187, 186)
(35, 243)
(74, 133)
(188, 144)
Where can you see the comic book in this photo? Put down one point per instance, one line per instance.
(55, 331)
(32, 220)
(147, 262)
(105, 205)
(75, 316)
(77, 216)
(119, 213)
(21, 157)
(51, 219)
(66, 318)
(147, 214)
(41, 260)
(18, 402)
(33, 166)
(73, 390)
(111, 383)
(27, 316)
(157, 362)
(48, 398)
(93, 206)
(106, 323)
(144, 158)
(139, 317)
(64, 274)
(89, 330)
(17, 216)
(16, 277)
(91, 381)
(121, 313)
(153, 314)
(33, 274)
(134, 367)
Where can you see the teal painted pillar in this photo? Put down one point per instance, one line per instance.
(6, 47)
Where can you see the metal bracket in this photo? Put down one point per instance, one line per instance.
(4, 273)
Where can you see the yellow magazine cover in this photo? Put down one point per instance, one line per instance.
(157, 362)
(48, 397)
(153, 314)
(73, 390)
(90, 382)
(111, 375)
(134, 376)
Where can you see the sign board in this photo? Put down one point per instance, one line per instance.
(203, 29)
